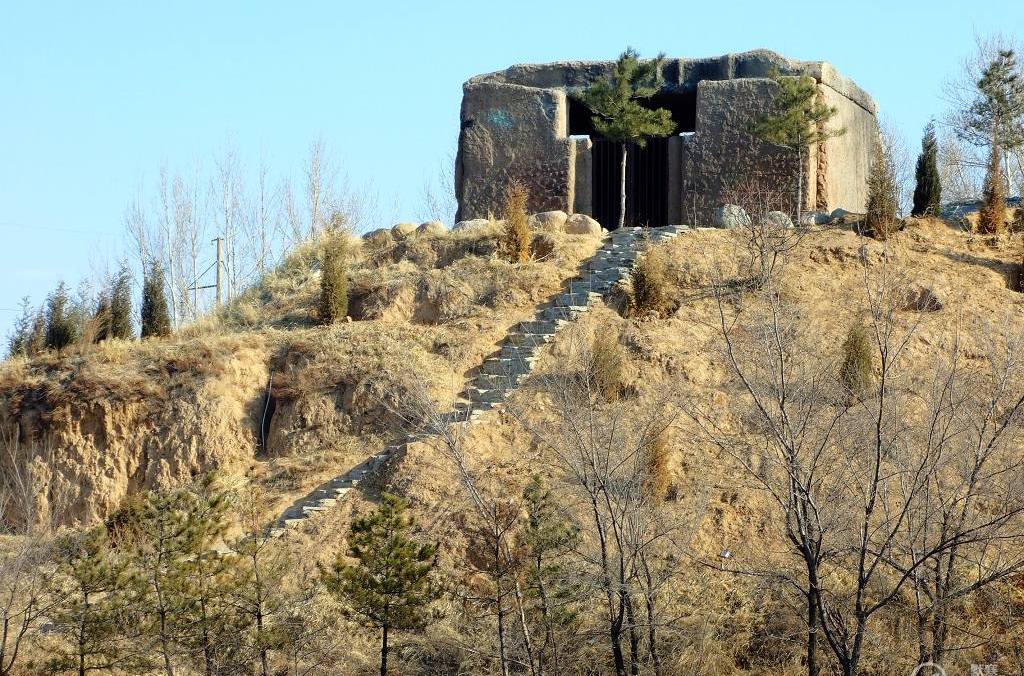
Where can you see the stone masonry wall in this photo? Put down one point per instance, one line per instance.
(511, 132)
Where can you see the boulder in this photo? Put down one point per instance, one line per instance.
(378, 236)
(549, 221)
(431, 229)
(777, 219)
(730, 216)
(471, 224)
(837, 214)
(403, 230)
(581, 224)
(815, 218)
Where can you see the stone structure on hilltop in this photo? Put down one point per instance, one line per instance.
(526, 123)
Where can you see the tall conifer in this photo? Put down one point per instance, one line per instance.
(928, 186)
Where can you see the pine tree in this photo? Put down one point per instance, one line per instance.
(516, 239)
(992, 214)
(883, 203)
(928, 186)
(797, 121)
(121, 306)
(96, 593)
(171, 540)
(390, 584)
(61, 327)
(619, 113)
(333, 304)
(549, 537)
(155, 317)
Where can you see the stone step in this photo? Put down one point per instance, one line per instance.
(506, 367)
(539, 327)
(510, 351)
(488, 381)
(576, 300)
(276, 532)
(528, 338)
(562, 313)
(479, 394)
(293, 522)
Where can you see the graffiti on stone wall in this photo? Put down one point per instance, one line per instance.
(500, 119)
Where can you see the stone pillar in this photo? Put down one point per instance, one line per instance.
(581, 168)
(674, 148)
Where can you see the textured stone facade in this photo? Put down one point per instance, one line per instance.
(515, 125)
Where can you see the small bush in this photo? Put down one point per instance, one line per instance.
(608, 366)
(333, 304)
(856, 371)
(992, 214)
(515, 242)
(1017, 225)
(650, 283)
(658, 478)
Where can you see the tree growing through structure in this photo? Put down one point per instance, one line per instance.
(155, 317)
(797, 121)
(928, 184)
(619, 113)
(390, 584)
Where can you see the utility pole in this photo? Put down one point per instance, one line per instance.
(218, 241)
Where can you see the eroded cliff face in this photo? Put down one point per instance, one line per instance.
(83, 448)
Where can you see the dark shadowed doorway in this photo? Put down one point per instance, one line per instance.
(646, 183)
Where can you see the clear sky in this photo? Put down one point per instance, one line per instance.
(94, 96)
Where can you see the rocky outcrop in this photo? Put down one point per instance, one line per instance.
(581, 224)
(731, 216)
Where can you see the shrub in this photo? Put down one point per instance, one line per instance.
(855, 373)
(515, 242)
(333, 303)
(657, 476)
(650, 283)
(608, 366)
(992, 215)
(1018, 220)
(882, 194)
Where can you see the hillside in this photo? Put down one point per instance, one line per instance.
(120, 418)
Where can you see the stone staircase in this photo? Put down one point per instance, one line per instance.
(501, 373)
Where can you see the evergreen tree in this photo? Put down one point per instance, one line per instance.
(333, 304)
(928, 186)
(18, 340)
(549, 537)
(102, 318)
(61, 327)
(797, 121)
(171, 542)
(619, 113)
(121, 305)
(996, 116)
(883, 202)
(156, 319)
(96, 593)
(389, 585)
(36, 342)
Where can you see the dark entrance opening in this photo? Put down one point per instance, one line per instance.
(647, 169)
(646, 183)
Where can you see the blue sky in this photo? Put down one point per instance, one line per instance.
(95, 96)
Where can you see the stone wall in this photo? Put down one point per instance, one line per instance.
(511, 132)
(514, 127)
